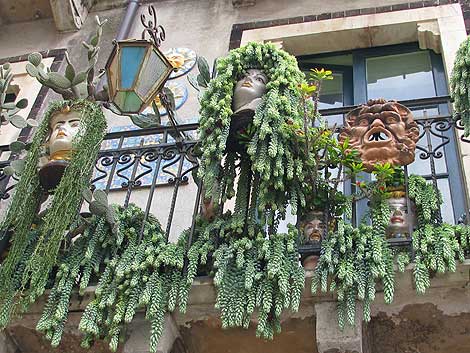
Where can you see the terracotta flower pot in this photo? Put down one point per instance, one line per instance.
(310, 262)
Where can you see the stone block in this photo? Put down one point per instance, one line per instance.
(139, 336)
(329, 336)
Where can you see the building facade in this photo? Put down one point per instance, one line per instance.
(395, 49)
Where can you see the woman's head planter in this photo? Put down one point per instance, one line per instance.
(64, 126)
(382, 131)
(249, 90)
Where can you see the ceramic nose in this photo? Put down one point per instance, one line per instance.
(377, 123)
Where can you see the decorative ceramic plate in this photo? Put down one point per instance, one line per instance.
(180, 92)
(182, 58)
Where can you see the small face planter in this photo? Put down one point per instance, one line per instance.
(400, 219)
(63, 128)
(312, 227)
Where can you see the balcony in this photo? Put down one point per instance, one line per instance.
(153, 170)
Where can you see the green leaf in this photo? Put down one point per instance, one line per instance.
(22, 103)
(17, 146)
(70, 72)
(59, 81)
(146, 121)
(9, 106)
(203, 67)
(18, 121)
(87, 195)
(111, 216)
(100, 196)
(201, 81)
(8, 170)
(18, 165)
(170, 96)
(32, 122)
(193, 81)
(32, 70)
(79, 78)
(35, 58)
(98, 208)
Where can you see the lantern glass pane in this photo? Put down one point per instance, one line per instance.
(152, 75)
(112, 76)
(131, 59)
(128, 102)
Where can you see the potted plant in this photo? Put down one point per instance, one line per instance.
(70, 132)
(388, 202)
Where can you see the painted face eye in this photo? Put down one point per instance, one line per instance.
(75, 123)
(58, 125)
(391, 120)
(363, 122)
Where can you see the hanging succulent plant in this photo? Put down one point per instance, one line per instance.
(252, 263)
(354, 260)
(132, 272)
(460, 84)
(60, 214)
(269, 151)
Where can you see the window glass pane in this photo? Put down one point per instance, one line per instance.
(447, 209)
(400, 77)
(422, 166)
(331, 96)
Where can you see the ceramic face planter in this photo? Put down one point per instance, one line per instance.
(64, 126)
(249, 90)
(382, 131)
(400, 221)
(247, 96)
(312, 227)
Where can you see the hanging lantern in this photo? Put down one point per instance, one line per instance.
(136, 71)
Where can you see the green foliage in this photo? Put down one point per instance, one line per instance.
(133, 273)
(355, 260)
(436, 250)
(9, 111)
(251, 274)
(269, 150)
(426, 198)
(460, 84)
(61, 213)
(71, 84)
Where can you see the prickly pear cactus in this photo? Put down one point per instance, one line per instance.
(71, 84)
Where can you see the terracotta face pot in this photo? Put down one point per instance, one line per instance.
(312, 226)
(382, 132)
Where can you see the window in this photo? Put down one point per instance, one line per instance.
(401, 72)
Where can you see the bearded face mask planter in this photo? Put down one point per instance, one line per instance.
(382, 132)
(312, 227)
(63, 127)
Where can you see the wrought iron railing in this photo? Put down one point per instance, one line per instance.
(153, 160)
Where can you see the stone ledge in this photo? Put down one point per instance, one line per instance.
(202, 295)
